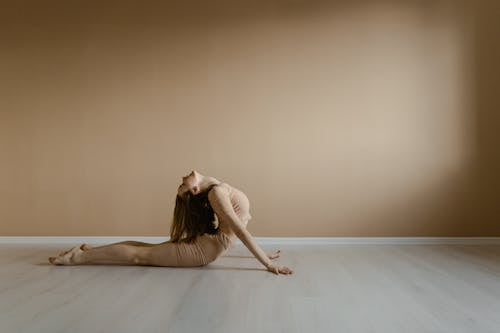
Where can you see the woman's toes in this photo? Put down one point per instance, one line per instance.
(67, 257)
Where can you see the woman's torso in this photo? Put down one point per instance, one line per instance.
(216, 244)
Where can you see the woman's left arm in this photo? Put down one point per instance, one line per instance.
(247, 239)
(221, 204)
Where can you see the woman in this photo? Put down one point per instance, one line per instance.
(208, 216)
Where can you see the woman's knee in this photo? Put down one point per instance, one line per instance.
(141, 256)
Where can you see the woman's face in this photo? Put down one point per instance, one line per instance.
(189, 182)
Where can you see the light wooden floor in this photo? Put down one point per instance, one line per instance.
(336, 288)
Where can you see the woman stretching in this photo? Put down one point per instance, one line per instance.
(208, 216)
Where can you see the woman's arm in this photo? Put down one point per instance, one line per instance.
(219, 199)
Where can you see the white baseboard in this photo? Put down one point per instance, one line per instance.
(262, 240)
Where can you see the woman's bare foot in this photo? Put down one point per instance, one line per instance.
(274, 254)
(68, 257)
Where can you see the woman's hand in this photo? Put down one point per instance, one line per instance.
(279, 269)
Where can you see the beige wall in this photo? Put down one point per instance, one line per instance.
(360, 118)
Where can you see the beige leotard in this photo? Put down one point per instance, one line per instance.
(206, 248)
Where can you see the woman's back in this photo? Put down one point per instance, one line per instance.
(207, 247)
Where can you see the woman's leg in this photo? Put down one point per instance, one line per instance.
(135, 243)
(119, 253)
(125, 253)
(166, 254)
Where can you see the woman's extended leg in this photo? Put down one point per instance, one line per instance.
(168, 254)
(125, 253)
(135, 243)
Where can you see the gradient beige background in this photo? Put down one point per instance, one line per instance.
(372, 118)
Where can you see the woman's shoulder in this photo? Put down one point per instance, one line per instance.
(222, 187)
(218, 190)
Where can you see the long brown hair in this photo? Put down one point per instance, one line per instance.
(193, 216)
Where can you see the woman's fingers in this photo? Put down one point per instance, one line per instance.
(285, 270)
(279, 270)
(274, 255)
